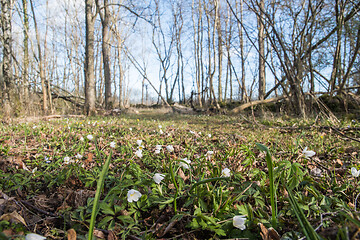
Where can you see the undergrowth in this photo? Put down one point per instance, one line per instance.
(211, 178)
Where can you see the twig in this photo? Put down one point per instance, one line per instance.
(38, 209)
(342, 134)
(356, 201)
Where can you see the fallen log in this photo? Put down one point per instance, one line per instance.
(257, 102)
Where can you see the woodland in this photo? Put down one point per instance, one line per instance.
(179, 119)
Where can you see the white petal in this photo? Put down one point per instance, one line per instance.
(355, 172)
(34, 236)
(239, 222)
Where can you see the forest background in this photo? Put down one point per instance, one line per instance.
(63, 55)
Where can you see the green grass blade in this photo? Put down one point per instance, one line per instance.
(206, 181)
(99, 187)
(306, 227)
(273, 200)
(353, 220)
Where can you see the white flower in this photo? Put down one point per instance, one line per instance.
(112, 144)
(316, 172)
(158, 177)
(160, 126)
(355, 172)
(138, 153)
(82, 139)
(79, 156)
(34, 170)
(158, 149)
(209, 153)
(185, 163)
(225, 172)
(308, 154)
(130, 129)
(90, 137)
(34, 236)
(161, 131)
(192, 132)
(66, 160)
(34, 127)
(170, 148)
(239, 222)
(133, 195)
(209, 135)
(139, 142)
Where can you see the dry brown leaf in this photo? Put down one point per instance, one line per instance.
(14, 216)
(99, 234)
(71, 234)
(89, 158)
(9, 232)
(338, 161)
(182, 174)
(111, 235)
(268, 233)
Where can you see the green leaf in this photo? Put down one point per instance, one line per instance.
(306, 227)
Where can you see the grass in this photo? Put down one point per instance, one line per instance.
(271, 182)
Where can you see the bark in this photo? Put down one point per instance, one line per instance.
(261, 41)
(197, 46)
(8, 86)
(219, 46)
(90, 95)
(106, 55)
(44, 84)
(339, 10)
(25, 75)
(242, 86)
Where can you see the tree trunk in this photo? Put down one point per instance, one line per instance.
(220, 50)
(25, 75)
(90, 95)
(339, 12)
(261, 36)
(6, 6)
(106, 55)
(244, 94)
(40, 62)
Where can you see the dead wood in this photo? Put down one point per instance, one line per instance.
(46, 118)
(182, 109)
(257, 102)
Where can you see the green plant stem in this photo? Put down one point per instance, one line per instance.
(176, 187)
(99, 187)
(271, 181)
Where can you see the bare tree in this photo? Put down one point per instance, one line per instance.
(261, 41)
(25, 74)
(219, 47)
(197, 12)
(8, 86)
(105, 21)
(90, 95)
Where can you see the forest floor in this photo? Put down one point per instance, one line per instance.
(180, 177)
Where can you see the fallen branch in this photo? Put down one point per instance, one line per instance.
(257, 102)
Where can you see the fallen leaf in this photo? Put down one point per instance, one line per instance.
(71, 234)
(8, 232)
(99, 234)
(268, 233)
(111, 235)
(14, 216)
(89, 158)
(182, 174)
